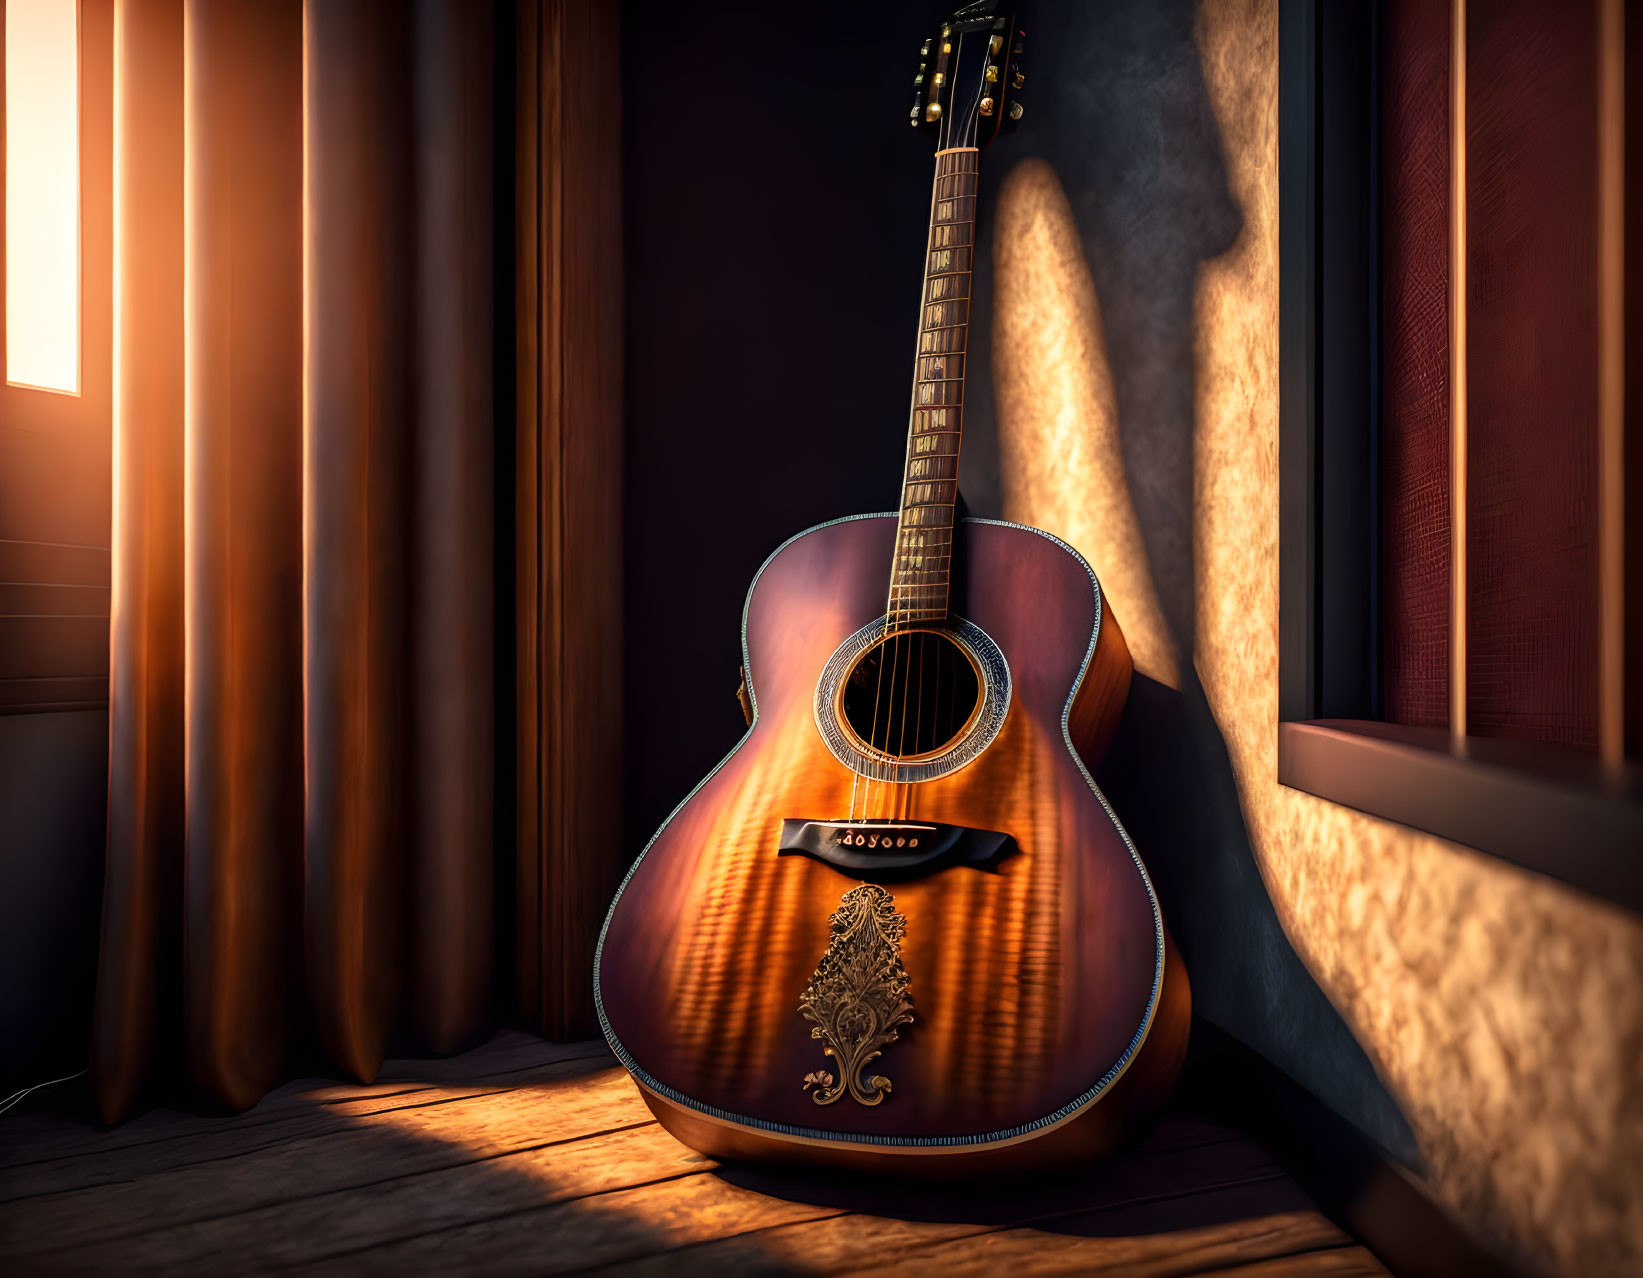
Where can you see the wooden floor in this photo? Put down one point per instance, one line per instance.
(535, 1158)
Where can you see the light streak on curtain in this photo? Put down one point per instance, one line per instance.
(301, 713)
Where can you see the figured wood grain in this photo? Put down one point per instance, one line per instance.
(1029, 983)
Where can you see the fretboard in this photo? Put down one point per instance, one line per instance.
(920, 575)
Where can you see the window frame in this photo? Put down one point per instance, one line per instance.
(1554, 810)
(56, 448)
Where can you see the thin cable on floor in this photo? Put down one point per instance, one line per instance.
(50, 1082)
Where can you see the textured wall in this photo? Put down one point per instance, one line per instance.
(1503, 1011)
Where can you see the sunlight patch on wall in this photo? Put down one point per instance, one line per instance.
(43, 194)
(1061, 466)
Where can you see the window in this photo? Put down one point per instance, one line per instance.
(1455, 588)
(56, 321)
(42, 216)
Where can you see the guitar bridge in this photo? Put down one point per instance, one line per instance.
(891, 851)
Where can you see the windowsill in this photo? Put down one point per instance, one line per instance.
(1550, 810)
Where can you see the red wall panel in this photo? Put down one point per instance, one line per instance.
(1532, 370)
(1415, 362)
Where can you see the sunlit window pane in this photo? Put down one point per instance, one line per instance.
(43, 194)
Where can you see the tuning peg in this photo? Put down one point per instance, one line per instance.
(986, 106)
(1017, 110)
(1017, 80)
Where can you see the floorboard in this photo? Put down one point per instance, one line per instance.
(528, 1157)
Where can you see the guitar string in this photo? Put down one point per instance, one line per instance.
(898, 611)
(973, 130)
(892, 604)
(894, 612)
(968, 137)
(888, 794)
(911, 641)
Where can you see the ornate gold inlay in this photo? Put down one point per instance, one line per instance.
(858, 997)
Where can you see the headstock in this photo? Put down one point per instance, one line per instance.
(969, 76)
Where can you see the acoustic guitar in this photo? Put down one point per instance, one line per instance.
(899, 928)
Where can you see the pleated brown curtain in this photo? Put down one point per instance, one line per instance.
(301, 772)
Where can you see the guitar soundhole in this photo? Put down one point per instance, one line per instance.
(912, 694)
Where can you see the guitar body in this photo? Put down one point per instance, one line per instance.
(1017, 1005)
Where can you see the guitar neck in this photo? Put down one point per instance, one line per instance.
(920, 575)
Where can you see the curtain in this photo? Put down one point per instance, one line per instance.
(302, 708)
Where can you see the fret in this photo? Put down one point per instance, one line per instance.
(954, 284)
(918, 614)
(921, 577)
(936, 490)
(936, 467)
(948, 313)
(927, 442)
(941, 368)
(928, 516)
(955, 208)
(915, 560)
(921, 593)
(937, 582)
(934, 421)
(950, 261)
(930, 559)
(917, 556)
(939, 550)
(943, 341)
(940, 394)
(951, 235)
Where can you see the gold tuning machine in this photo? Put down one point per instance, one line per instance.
(986, 106)
(1017, 110)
